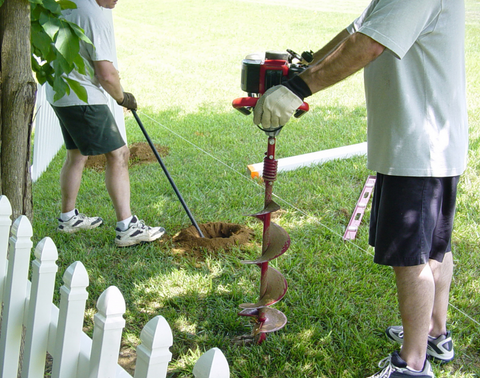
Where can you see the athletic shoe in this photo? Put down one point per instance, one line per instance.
(79, 222)
(137, 232)
(395, 367)
(440, 348)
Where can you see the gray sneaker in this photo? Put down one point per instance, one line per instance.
(440, 348)
(78, 222)
(395, 367)
(137, 232)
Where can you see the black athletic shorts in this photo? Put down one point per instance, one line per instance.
(412, 219)
(89, 128)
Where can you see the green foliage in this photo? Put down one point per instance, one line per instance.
(56, 46)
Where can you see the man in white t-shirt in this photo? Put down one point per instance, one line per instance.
(90, 129)
(413, 55)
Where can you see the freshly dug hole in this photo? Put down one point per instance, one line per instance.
(217, 235)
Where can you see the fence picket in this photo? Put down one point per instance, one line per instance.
(39, 315)
(5, 223)
(19, 248)
(107, 334)
(212, 364)
(153, 354)
(70, 321)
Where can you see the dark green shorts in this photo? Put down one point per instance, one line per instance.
(89, 128)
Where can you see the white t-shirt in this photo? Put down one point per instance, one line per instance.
(415, 90)
(92, 19)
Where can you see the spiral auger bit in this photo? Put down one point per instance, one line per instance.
(259, 73)
(276, 241)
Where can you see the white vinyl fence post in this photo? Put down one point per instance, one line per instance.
(153, 354)
(44, 270)
(5, 223)
(19, 249)
(212, 364)
(70, 321)
(107, 334)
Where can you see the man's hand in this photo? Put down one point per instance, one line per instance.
(128, 101)
(275, 107)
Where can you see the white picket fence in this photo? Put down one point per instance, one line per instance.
(32, 326)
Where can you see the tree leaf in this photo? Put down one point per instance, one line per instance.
(61, 65)
(67, 43)
(66, 4)
(78, 89)
(52, 6)
(60, 87)
(80, 65)
(79, 32)
(40, 39)
(51, 25)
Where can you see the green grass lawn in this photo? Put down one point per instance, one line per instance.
(182, 61)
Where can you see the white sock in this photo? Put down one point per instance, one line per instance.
(66, 216)
(123, 225)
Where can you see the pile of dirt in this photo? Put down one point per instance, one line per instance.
(140, 153)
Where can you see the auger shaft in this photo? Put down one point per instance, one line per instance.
(270, 165)
(276, 241)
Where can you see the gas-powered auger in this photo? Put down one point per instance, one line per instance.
(258, 75)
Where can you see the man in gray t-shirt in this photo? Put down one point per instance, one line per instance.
(89, 128)
(413, 55)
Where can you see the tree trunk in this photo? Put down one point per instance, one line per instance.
(17, 96)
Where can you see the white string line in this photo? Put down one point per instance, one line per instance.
(464, 314)
(279, 198)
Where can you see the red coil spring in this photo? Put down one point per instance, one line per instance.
(270, 169)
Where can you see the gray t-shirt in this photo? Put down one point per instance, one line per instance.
(415, 90)
(93, 20)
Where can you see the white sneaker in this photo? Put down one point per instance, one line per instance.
(395, 367)
(440, 348)
(137, 232)
(79, 222)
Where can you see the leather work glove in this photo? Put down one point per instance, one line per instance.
(129, 101)
(275, 107)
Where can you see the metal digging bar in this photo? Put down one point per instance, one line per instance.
(276, 241)
(167, 174)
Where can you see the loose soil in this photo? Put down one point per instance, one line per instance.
(140, 153)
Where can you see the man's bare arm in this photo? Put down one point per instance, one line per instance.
(109, 78)
(354, 53)
(330, 47)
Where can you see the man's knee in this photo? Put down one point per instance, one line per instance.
(120, 155)
(75, 157)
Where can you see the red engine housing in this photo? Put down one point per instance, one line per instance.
(259, 74)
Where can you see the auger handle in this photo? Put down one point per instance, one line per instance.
(245, 106)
